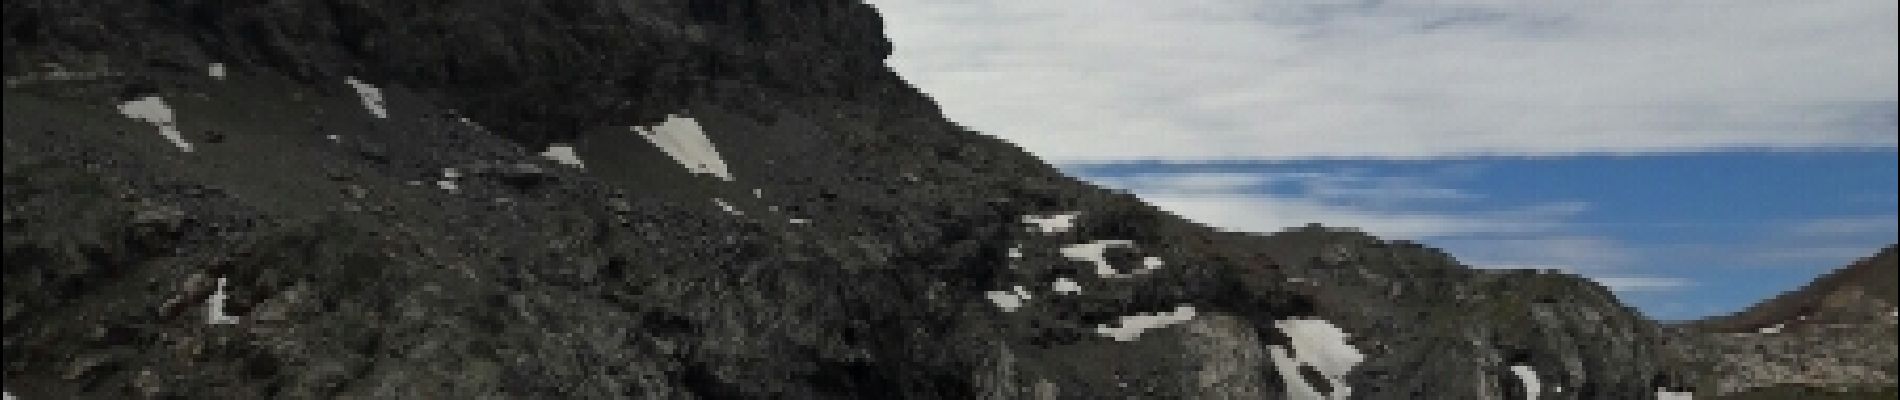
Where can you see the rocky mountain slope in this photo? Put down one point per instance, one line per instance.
(666, 199)
(1832, 337)
(1861, 292)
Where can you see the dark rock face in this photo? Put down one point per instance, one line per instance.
(534, 72)
(316, 242)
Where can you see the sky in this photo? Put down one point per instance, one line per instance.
(1695, 156)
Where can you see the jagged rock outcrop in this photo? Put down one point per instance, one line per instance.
(664, 199)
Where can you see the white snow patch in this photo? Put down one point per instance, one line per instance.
(216, 70)
(1067, 286)
(1096, 252)
(334, 138)
(372, 97)
(758, 193)
(564, 154)
(1318, 343)
(1529, 377)
(1131, 326)
(1008, 301)
(1771, 329)
(1057, 223)
(10, 396)
(683, 140)
(447, 185)
(1015, 252)
(214, 307)
(1665, 394)
(799, 221)
(153, 110)
(451, 173)
(727, 206)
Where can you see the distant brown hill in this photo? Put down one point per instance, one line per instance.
(1845, 295)
(1831, 339)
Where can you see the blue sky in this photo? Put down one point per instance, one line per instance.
(1693, 155)
(1678, 235)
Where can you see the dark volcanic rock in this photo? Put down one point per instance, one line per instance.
(308, 241)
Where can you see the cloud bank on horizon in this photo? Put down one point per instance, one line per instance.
(1090, 81)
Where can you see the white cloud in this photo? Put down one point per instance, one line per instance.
(1642, 284)
(1389, 189)
(1270, 214)
(1557, 250)
(1846, 226)
(1200, 183)
(1240, 202)
(1810, 255)
(1120, 80)
(1334, 185)
(1825, 242)
(1542, 236)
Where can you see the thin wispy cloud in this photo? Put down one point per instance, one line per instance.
(1526, 236)
(1643, 284)
(1344, 185)
(1554, 251)
(1825, 241)
(1846, 226)
(1274, 213)
(1197, 80)
(1807, 255)
(1265, 202)
(1203, 183)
